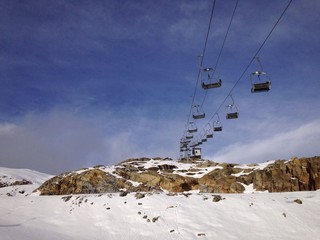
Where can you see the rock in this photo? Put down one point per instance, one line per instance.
(139, 195)
(91, 181)
(15, 183)
(21, 182)
(216, 198)
(285, 176)
(164, 167)
(123, 194)
(155, 219)
(66, 198)
(298, 201)
(220, 181)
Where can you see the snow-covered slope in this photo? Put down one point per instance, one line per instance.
(188, 215)
(9, 176)
(159, 216)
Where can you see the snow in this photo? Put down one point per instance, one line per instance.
(158, 216)
(9, 176)
(19, 174)
(238, 216)
(182, 169)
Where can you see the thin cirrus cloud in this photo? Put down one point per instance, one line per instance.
(301, 141)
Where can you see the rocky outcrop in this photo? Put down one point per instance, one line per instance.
(220, 181)
(7, 181)
(145, 175)
(284, 176)
(91, 181)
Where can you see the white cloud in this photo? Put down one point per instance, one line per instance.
(301, 141)
(6, 128)
(61, 141)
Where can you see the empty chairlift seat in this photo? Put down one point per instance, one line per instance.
(217, 126)
(258, 86)
(260, 80)
(210, 82)
(192, 127)
(209, 134)
(189, 136)
(197, 112)
(232, 112)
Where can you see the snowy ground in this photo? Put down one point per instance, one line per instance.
(159, 216)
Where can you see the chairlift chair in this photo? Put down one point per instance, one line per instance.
(260, 80)
(260, 86)
(209, 134)
(211, 81)
(217, 125)
(232, 112)
(192, 128)
(184, 142)
(183, 149)
(189, 136)
(198, 113)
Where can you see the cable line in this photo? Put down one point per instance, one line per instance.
(244, 71)
(202, 54)
(253, 58)
(223, 43)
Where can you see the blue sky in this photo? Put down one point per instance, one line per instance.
(97, 82)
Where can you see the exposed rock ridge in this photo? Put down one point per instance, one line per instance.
(158, 174)
(7, 181)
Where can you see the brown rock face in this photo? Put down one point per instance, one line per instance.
(91, 181)
(281, 176)
(220, 181)
(285, 176)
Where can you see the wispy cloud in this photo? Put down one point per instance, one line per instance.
(60, 140)
(301, 141)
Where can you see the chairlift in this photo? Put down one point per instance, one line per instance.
(210, 82)
(183, 149)
(232, 110)
(260, 80)
(197, 112)
(208, 132)
(193, 145)
(198, 141)
(217, 125)
(192, 128)
(189, 136)
(184, 142)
